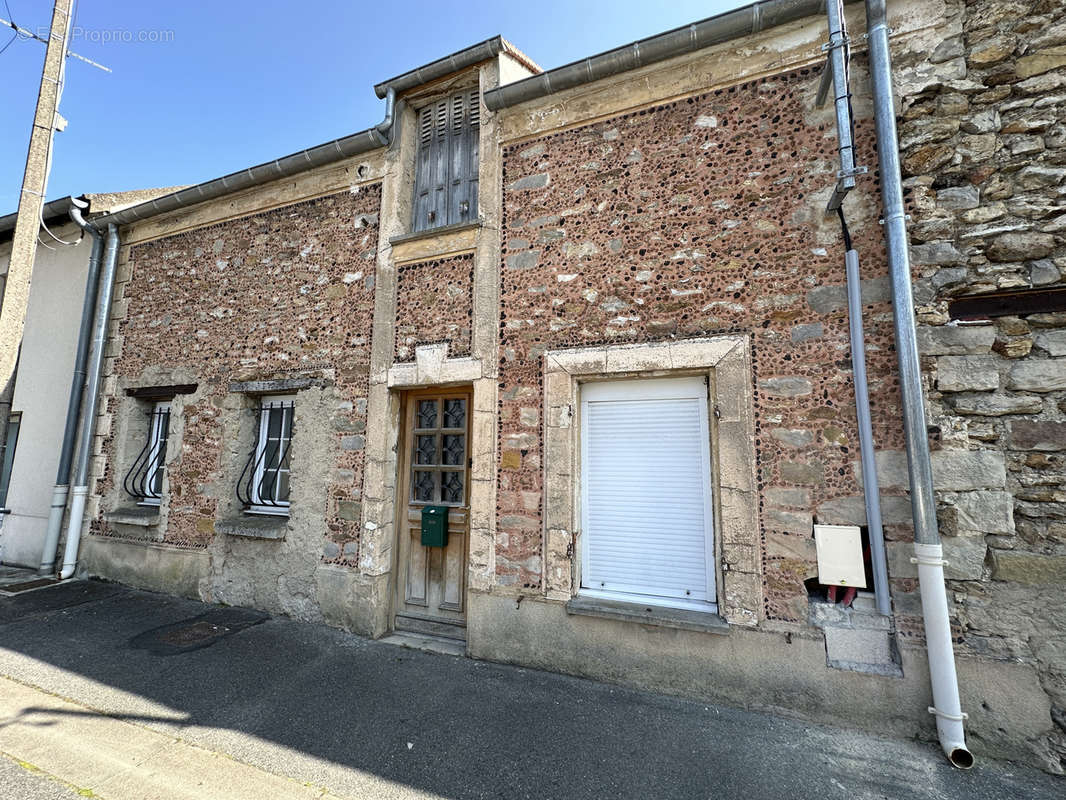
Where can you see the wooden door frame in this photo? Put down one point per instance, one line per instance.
(402, 501)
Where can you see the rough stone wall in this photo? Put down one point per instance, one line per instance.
(280, 294)
(434, 303)
(702, 216)
(983, 139)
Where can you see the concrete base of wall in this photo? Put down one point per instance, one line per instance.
(774, 671)
(354, 602)
(343, 598)
(22, 539)
(146, 565)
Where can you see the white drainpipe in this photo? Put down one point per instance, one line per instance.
(929, 555)
(77, 392)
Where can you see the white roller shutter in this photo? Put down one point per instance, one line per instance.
(646, 500)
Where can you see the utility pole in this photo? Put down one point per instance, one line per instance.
(16, 293)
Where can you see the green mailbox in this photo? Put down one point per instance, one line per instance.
(435, 526)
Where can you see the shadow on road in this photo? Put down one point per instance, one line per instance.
(450, 727)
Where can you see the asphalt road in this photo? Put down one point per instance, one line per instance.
(367, 719)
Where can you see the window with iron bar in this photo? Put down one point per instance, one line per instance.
(263, 487)
(446, 167)
(144, 481)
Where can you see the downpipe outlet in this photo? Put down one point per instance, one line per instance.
(77, 514)
(55, 523)
(946, 707)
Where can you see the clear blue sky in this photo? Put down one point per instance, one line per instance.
(238, 82)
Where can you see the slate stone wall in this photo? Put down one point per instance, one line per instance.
(983, 141)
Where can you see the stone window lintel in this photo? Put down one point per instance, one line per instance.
(282, 386)
(161, 392)
(433, 367)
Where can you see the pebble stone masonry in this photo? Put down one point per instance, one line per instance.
(435, 304)
(689, 220)
(279, 295)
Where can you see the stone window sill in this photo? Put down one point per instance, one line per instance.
(141, 516)
(254, 527)
(429, 233)
(681, 619)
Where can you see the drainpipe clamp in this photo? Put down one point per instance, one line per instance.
(851, 173)
(930, 562)
(960, 717)
(830, 45)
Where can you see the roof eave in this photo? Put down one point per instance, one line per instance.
(745, 21)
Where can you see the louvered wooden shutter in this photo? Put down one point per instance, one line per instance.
(446, 173)
(646, 497)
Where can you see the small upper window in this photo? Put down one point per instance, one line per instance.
(144, 481)
(439, 458)
(446, 173)
(263, 487)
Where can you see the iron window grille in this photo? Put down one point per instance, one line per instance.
(144, 481)
(263, 487)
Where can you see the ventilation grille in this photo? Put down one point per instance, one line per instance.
(455, 112)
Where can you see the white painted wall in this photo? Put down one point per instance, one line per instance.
(42, 390)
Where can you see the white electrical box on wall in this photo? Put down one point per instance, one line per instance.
(840, 560)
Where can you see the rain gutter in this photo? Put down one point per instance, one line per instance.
(735, 24)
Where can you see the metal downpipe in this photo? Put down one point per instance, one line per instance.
(836, 74)
(871, 488)
(92, 391)
(77, 385)
(383, 130)
(928, 552)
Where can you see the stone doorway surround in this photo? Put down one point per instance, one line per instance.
(726, 361)
(432, 367)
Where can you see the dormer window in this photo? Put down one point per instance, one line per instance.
(446, 169)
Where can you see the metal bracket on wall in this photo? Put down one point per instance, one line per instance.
(835, 72)
(827, 70)
(845, 183)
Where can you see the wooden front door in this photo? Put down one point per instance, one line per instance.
(431, 581)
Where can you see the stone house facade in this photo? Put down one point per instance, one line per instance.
(662, 228)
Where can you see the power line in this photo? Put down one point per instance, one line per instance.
(20, 31)
(58, 124)
(14, 35)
